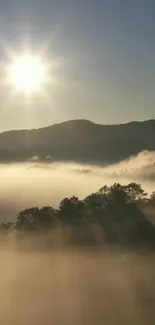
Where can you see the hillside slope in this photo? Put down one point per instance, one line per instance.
(79, 140)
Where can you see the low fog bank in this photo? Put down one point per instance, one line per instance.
(37, 184)
(75, 286)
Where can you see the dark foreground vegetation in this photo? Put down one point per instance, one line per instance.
(110, 216)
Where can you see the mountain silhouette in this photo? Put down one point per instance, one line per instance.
(78, 140)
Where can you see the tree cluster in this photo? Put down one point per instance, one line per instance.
(114, 209)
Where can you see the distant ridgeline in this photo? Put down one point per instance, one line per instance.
(78, 140)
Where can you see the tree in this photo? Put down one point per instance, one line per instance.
(6, 226)
(134, 192)
(71, 210)
(95, 201)
(47, 216)
(127, 193)
(113, 209)
(35, 218)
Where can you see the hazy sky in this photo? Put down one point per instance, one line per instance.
(106, 50)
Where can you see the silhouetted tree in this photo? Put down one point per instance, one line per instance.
(114, 209)
(71, 210)
(6, 226)
(127, 193)
(47, 217)
(35, 218)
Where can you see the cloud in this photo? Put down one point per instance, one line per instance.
(141, 166)
(34, 158)
(37, 184)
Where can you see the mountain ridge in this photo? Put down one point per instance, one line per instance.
(78, 140)
(81, 120)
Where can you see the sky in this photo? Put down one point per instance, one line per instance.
(104, 52)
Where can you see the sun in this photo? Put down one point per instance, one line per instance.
(27, 74)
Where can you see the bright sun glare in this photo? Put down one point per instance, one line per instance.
(27, 74)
